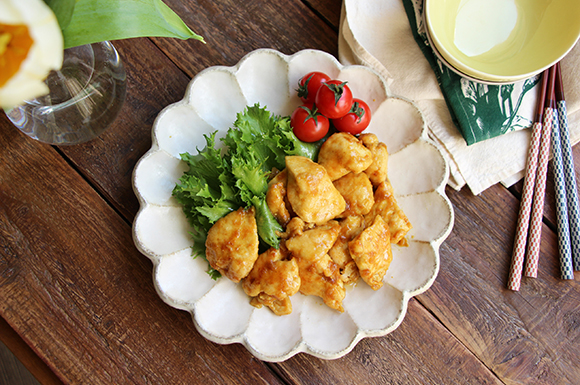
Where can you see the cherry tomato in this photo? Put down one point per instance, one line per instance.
(308, 124)
(334, 99)
(356, 120)
(309, 85)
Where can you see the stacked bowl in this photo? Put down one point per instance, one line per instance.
(501, 41)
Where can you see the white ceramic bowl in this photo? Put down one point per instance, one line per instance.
(221, 310)
(502, 41)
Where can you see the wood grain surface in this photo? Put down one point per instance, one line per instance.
(79, 300)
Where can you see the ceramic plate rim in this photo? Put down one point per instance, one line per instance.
(302, 346)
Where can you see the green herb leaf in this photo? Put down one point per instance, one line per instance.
(94, 21)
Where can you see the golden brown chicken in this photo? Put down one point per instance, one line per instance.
(232, 244)
(343, 153)
(278, 307)
(339, 218)
(386, 206)
(276, 198)
(350, 227)
(272, 281)
(310, 191)
(371, 250)
(357, 191)
(318, 274)
(377, 171)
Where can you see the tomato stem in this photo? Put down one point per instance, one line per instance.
(303, 88)
(357, 110)
(312, 113)
(337, 89)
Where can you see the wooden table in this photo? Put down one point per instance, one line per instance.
(76, 297)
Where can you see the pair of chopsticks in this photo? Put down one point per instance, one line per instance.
(550, 130)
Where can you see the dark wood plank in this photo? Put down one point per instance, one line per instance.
(74, 286)
(232, 31)
(12, 372)
(420, 351)
(530, 336)
(24, 365)
(328, 10)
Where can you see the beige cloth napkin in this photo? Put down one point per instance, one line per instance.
(376, 33)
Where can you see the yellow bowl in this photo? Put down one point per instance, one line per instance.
(502, 40)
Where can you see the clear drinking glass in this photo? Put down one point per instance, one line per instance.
(85, 97)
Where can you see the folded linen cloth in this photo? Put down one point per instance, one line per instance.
(378, 33)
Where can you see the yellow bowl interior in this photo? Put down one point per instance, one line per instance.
(503, 39)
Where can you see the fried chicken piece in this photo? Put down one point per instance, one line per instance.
(310, 191)
(377, 171)
(278, 306)
(296, 227)
(371, 251)
(276, 198)
(357, 191)
(350, 227)
(386, 206)
(318, 274)
(343, 153)
(313, 244)
(272, 281)
(232, 244)
(349, 273)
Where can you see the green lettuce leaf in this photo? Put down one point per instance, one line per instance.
(268, 226)
(205, 190)
(94, 21)
(269, 137)
(218, 182)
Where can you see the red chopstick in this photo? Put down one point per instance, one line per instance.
(531, 268)
(519, 251)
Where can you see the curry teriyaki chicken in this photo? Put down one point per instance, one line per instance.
(339, 218)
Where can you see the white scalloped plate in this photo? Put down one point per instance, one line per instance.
(220, 309)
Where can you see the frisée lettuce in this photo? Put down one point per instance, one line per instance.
(221, 179)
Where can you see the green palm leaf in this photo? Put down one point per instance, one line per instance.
(93, 21)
